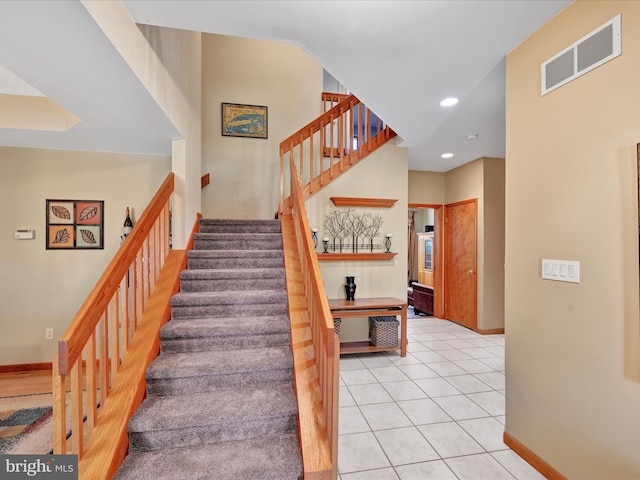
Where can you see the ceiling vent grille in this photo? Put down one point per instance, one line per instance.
(591, 51)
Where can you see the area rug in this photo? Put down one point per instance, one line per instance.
(26, 424)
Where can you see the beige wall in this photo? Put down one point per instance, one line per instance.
(385, 172)
(168, 63)
(245, 172)
(493, 243)
(483, 179)
(426, 187)
(573, 382)
(42, 288)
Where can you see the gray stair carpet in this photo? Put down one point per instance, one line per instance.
(220, 400)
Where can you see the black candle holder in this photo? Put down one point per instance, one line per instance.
(387, 243)
(325, 245)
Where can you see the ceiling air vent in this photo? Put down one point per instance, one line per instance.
(591, 51)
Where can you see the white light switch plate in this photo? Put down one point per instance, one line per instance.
(561, 270)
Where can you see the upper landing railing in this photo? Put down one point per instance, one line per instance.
(331, 144)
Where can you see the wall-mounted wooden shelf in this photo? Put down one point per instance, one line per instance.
(363, 202)
(349, 257)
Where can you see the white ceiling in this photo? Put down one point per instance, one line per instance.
(399, 57)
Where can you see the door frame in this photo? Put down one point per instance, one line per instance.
(438, 255)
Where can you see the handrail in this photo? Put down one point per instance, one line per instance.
(330, 145)
(326, 346)
(331, 99)
(91, 349)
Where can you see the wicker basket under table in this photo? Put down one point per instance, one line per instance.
(383, 331)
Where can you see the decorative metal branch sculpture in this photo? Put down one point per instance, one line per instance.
(351, 224)
(372, 229)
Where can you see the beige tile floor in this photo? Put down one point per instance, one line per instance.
(437, 413)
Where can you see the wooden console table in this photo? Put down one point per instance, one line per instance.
(364, 307)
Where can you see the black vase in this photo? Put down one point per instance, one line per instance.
(350, 289)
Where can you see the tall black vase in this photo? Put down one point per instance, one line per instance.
(350, 289)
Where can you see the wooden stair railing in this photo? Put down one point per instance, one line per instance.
(316, 347)
(330, 100)
(109, 343)
(330, 145)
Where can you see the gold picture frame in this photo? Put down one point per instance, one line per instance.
(244, 120)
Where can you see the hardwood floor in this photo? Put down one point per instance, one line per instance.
(25, 383)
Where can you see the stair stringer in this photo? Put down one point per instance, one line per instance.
(316, 451)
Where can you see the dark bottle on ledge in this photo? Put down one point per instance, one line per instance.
(128, 224)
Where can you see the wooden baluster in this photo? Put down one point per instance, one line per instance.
(301, 159)
(131, 293)
(352, 123)
(360, 131)
(331, 152)
(138, 288)
(91, 381)
(146, 270)
(369, 124)
(157, 258)
(124, 311)
(167, 222)
(311, 170)
(341, 140)
(167, 226)
(77, 430)
(281, 181)
(114, 332)
(162, 253)
(102, 360)
(59, 409)
(150, 266)
(152, 259)
(323, 143)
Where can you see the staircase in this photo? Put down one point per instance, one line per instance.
(220, 399)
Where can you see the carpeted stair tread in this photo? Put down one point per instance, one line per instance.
(236, 259)
(211, 280)
(194, 364)
(212, 417)
(246, 226)
(192, 299)
(235, 253)
(237, 241)
(223, 333)
(269, 458)
(225, 327)
(235, 237)
(232, 273)
(207, 371)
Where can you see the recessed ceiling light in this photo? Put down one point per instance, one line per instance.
(472, 136)
(447, 155)
(449, 102)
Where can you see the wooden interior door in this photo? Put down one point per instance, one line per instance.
(460, 252)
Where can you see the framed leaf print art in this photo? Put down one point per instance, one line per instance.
(75, 224)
